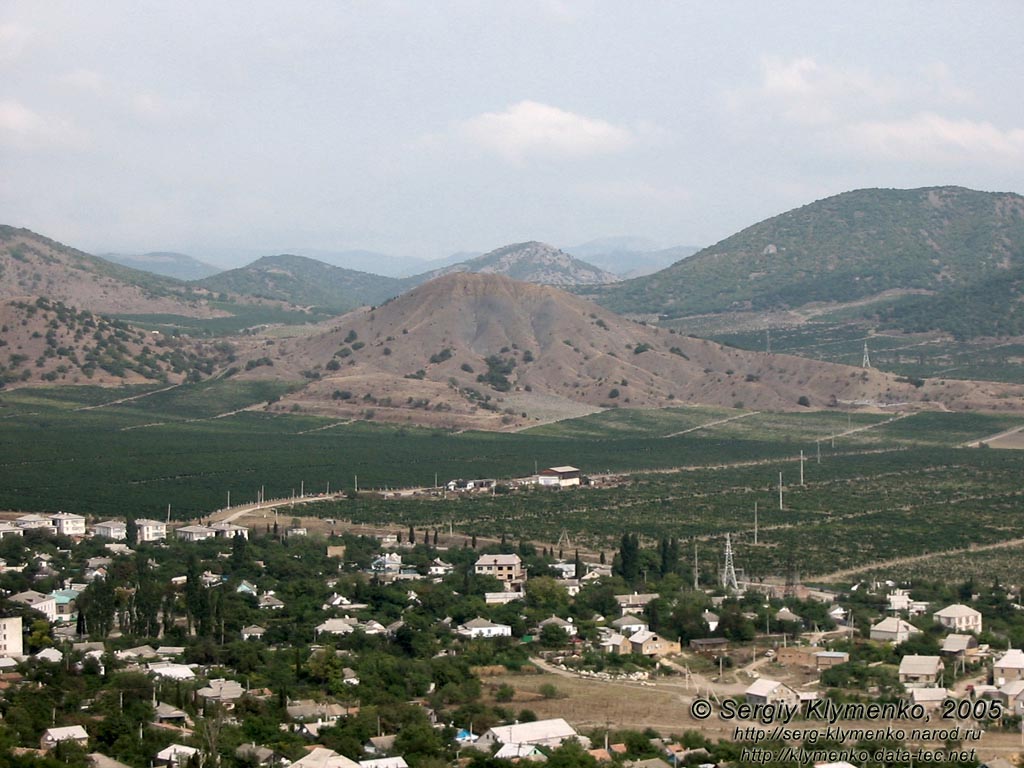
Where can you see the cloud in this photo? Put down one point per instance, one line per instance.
(635, 191)
(84, 80)
(936, 138)
(24, 128)
(530, 128)
(13, 39)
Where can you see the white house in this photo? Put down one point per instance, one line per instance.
(195, 533)
(150, 530)
(175, 755)
(440, 568)
(480, 627)
(11, 641)
(111, 529)
(344, 626)
(630, 624)
(45, 604)
(893, 630)
(959, 618)
(9, 529)
(541, 733)
(26, 522)
(53, 736)
(228, 530)
(68, 524)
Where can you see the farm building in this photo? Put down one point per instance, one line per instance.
(541, 733)
(559, 477)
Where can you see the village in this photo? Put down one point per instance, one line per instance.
(137, 642)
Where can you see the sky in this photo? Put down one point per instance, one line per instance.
(231, 130)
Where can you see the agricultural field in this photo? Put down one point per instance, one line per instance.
(877, 487)
(914, 356)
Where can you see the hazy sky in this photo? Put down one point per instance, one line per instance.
(423, 128)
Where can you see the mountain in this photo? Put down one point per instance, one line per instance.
(176, 265)
(366, 261)
(32, 265)
(304, 282)
(630, 256)
(530, 262)
(485, 351)
(859, 246)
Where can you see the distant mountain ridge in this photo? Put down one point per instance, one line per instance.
(850, 247)
(529, 262)
(180, 266)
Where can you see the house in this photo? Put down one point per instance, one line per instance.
(959, 618)
(53, 736)
(45, 604)
(171, 671)
(247, 588)
(9, 529)
(616, 644)
(554, 621)
(837, 614)
(960, 646)
(388, 563)
(175, 755)
(826, 659)
(440, 568)
(709, 645)
(711, 619)
(253, 632)
(321, 757)
(765, 691)
(111, 529)
(223, 530)
(150, 530)
(68, 524)
(344, 626)
(517, 752)
(929, 698)
(540, 733)
(11, 641)
(559, 477)
(647, 643)
(28, 522)
(221, 691)
(630, 624)
(1012, 696)
(784, 614)
(893, 630)
(1008, 667)
(51, 655)
(480, 627)
(271, 603)
(253, 754)
(165, 713)
(384, 762)
(194, 533)
(634, 602)
(921, 671)
(796, 655)
(505, 568)
(66, 605)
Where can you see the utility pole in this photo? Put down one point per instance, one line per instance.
(780, 490)
(817, 443)
(229, 499)
(696, 572)
(755, 522)
(801, 468)
(357, 483)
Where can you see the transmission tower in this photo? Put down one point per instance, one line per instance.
(729, 572)
(866, 362)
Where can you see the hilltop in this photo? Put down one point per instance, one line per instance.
(304, 282)
(487, 351)
(886, 246)
(530, 262)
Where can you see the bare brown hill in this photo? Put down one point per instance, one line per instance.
(487, 351)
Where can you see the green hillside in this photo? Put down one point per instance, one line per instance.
(304, 282)
(945, 241)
